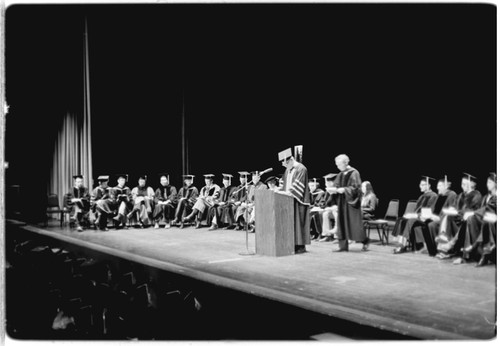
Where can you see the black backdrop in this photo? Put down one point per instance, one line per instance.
(404, 89)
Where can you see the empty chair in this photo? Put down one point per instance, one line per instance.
(54, 208)
(383, 226)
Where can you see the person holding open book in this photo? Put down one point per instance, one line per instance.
(404, 227)
(425, 230)
(470, 237)
(369, 201)
(453, 219)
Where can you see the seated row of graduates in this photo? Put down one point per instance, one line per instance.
(443, 224)
(462, 226)
(227, 206)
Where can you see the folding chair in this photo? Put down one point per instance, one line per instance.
(384, 225)
(53, 208)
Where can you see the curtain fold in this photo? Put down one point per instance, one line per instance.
(72, 155)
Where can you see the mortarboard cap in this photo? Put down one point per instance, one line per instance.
(427, 179)
(254, 172)
(208, 176)
(330, 176)
(271, 178)
(144, 176)
(226, 176)
(124, 176)
(285, 154)
(313, 180)
(469, 177)
(78, 176)
(244, 174)
(103, 178)
(188, 176)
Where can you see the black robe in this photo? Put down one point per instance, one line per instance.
(350, 217)
(301, 204)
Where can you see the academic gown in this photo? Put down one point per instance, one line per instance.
(167, 211)
(350, 217)
(78, 210)
(220, 214)
(301, 205)
(186, 199)
(474, 224)
(426, 200)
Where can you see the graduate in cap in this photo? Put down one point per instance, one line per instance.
(325, 214)
(480, 224)
(143, 198)
(404, 226)
(186, 197)
(77, 201)
(238, 197)
(468, 200)
(165, 202)
(205, 200)
(426, 228)
(122, 201)
(315, 191)
(101, 192)
(296, 185)
(272, 183)
(221, 213)
(245, 214)
(347, 186)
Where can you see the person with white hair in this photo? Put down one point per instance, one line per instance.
(347, 186)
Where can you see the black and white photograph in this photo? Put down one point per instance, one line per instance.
(218, 171)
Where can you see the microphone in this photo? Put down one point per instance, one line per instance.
(265, 171)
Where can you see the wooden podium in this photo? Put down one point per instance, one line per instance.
(274, 224)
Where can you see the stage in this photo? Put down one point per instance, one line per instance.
(410, 294)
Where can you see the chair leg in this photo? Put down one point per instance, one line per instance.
(380, 236)
(62, 218)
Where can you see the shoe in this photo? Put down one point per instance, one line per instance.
(482, 262)
(443, 255)
(340, 250)
(365, 247)
(229, 227)
(239, 228)
(399, 250)
(213, 227)
(181, 225)
(300, 250)
(326, 239)
(167, 225)
(79, 229)
(459, 261)
(251, 229)
(105, 229)
(157, 225)
(198, 225)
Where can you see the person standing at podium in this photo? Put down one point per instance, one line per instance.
(296, 184)
(347, 186)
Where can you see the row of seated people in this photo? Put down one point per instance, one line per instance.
(443, 224)
(218, 207)
(447, 225)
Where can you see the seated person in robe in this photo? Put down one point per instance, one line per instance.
(204, 201)
(221, 213)
(453, 220)
(245, 214)
(326, 212)
(101, 192)
(186, 197)
(316, 198)
(165, 202)
(404, 224)
(369, 201)
(121, 201)
(143, 201)
(470, 236)
(77, 201)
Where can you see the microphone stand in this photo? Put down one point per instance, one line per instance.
(248, 253)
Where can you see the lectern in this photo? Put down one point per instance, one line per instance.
(274, 224)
